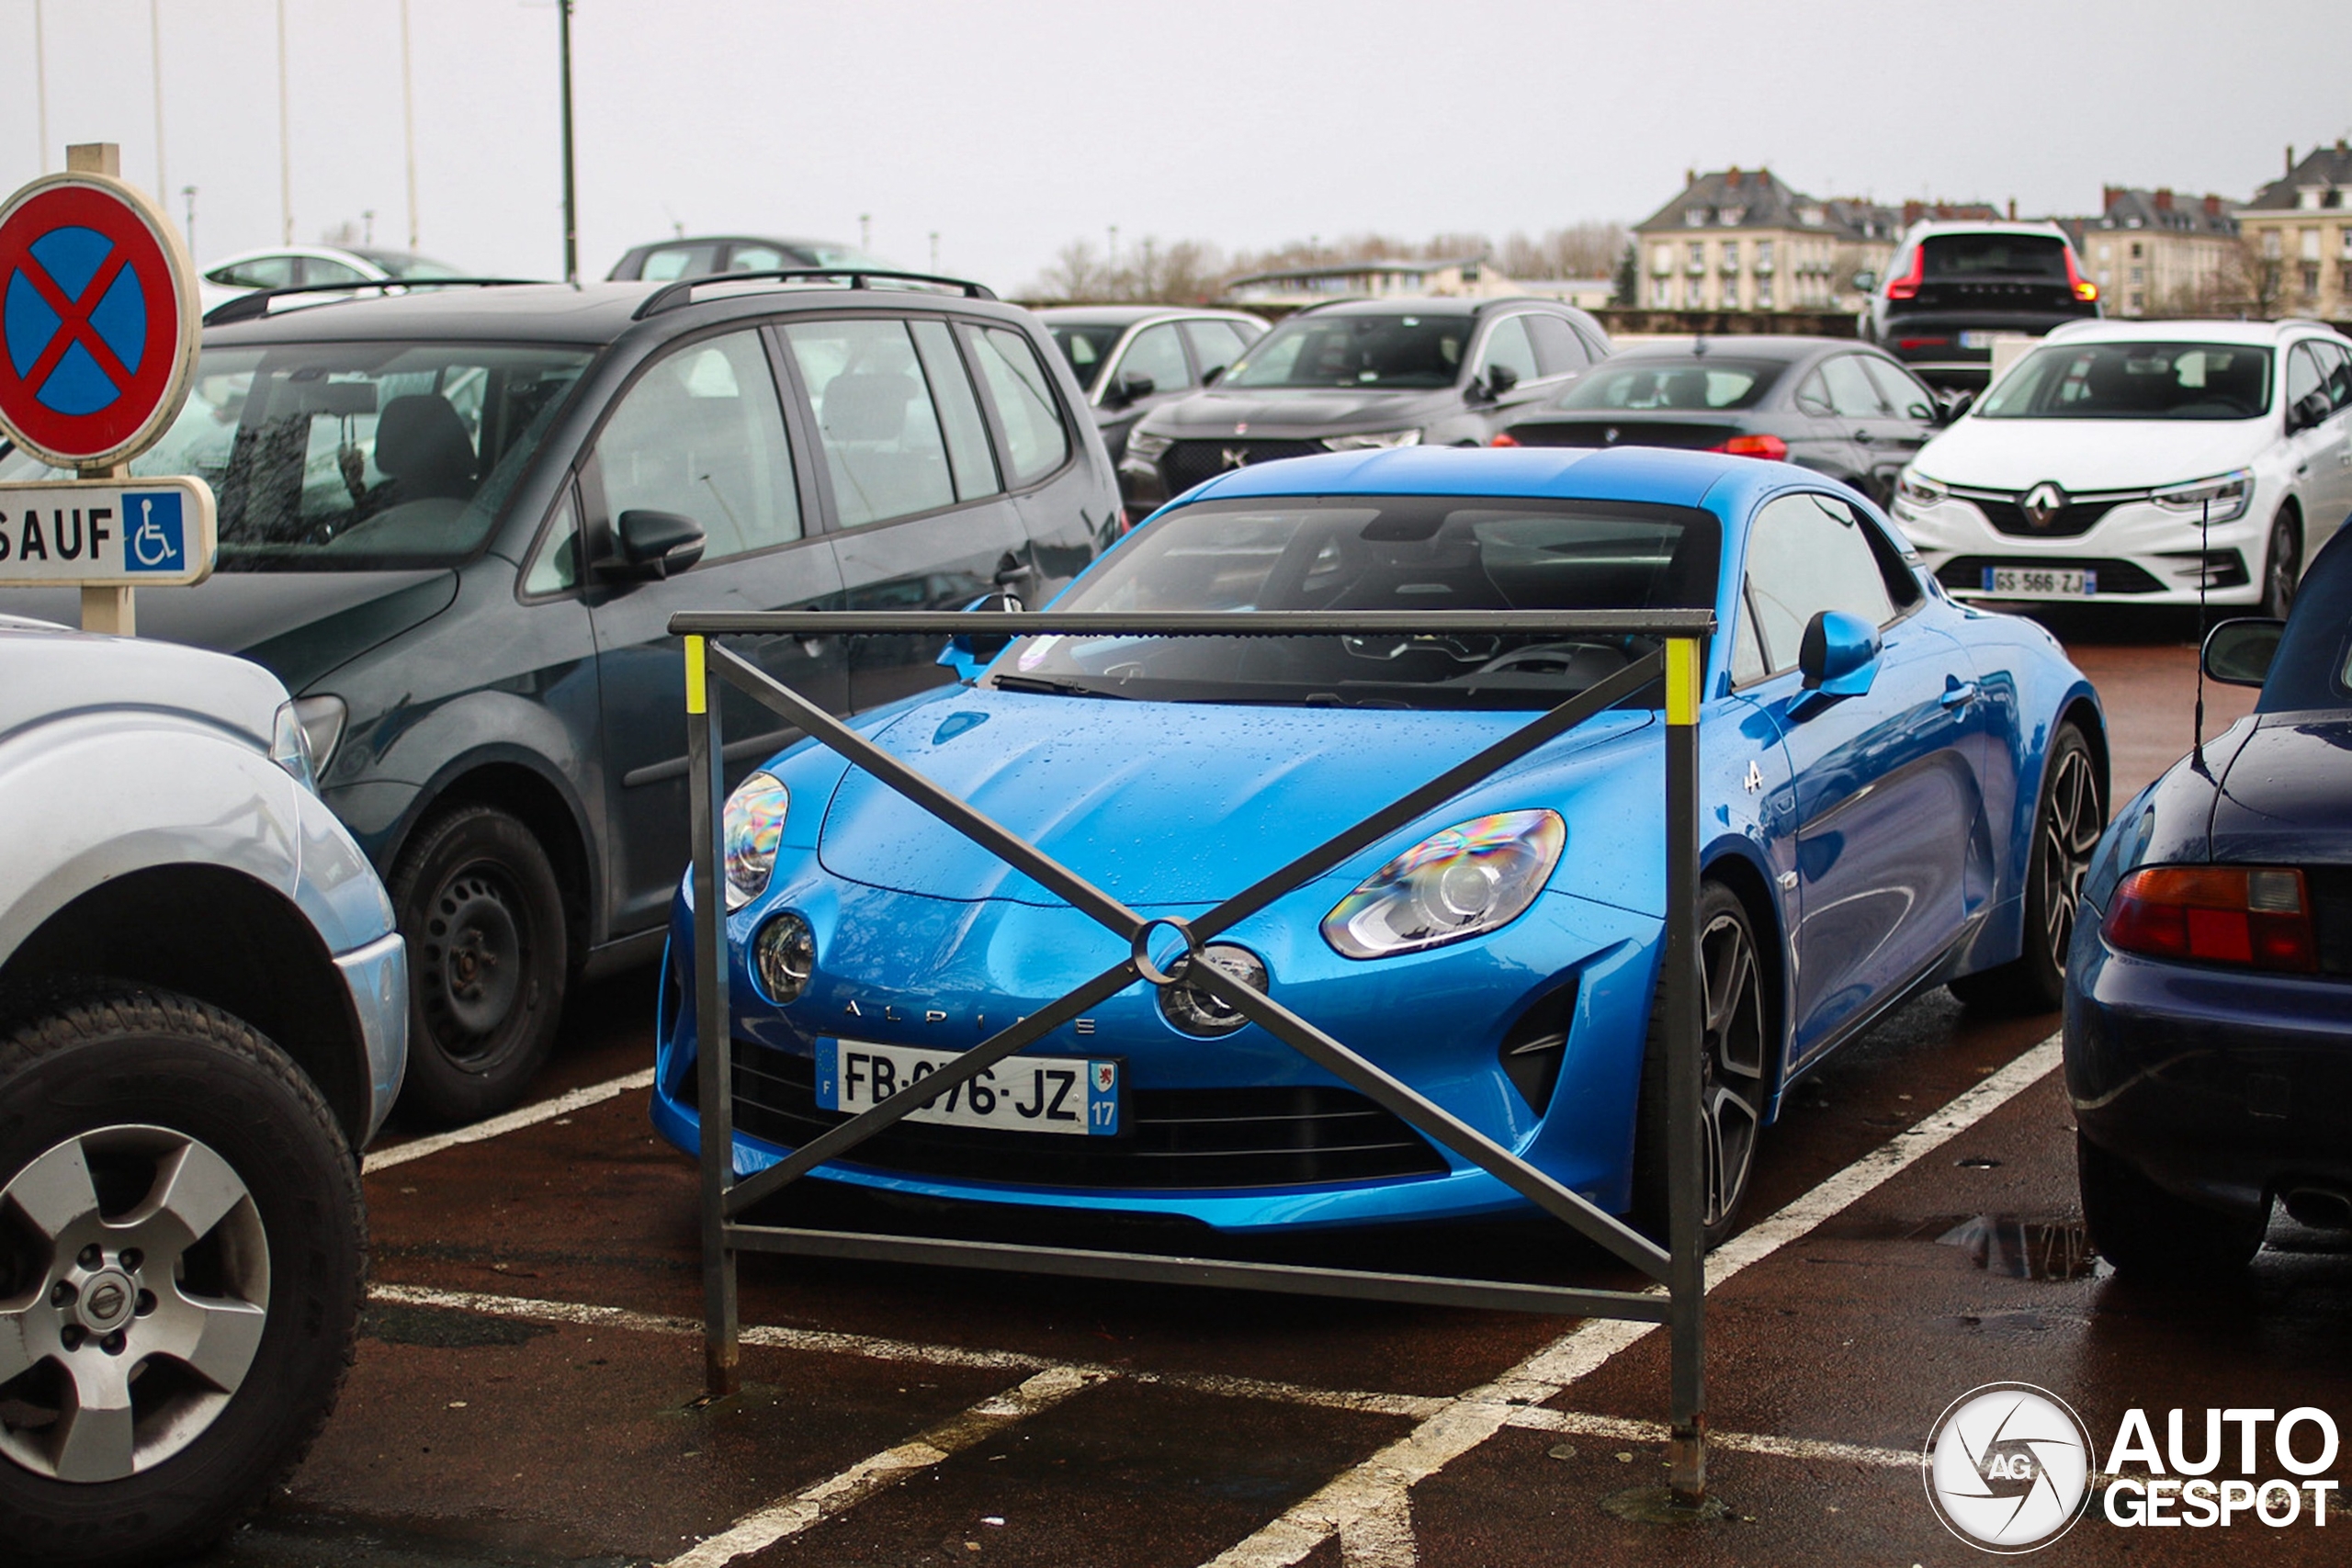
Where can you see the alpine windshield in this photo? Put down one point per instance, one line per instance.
(350, 456)
(1401, 553)
(1383, 352)
(2134, 380)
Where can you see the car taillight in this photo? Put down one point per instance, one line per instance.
(2255, 916)
(2085, 289)
(1922, 342)
(1504, 438)
(1771, 447)
(1907, 286)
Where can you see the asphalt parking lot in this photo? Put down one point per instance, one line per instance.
(528, 1384)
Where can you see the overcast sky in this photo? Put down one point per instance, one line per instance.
(1012, 126)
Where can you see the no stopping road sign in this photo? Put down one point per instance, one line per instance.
(98, 319)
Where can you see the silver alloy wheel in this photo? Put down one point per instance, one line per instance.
(144, 1276)
(2070, 831)
(1731, 1093)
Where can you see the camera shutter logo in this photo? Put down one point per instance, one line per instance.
(2007, 1467)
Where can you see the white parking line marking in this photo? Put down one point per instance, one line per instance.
(1617, 1428)
(1377, 1484)
(514, 1120)
(755, 1532)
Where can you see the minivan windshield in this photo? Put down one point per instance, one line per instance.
(1384, 351)
(1392, 553)
(350, 456)
(2134, 380)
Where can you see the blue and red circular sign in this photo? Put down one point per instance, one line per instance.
(98, 320)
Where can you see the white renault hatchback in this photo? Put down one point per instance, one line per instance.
(2132, 462)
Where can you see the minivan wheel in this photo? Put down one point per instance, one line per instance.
(483, 915)
(182, 1251)
(2282, 565)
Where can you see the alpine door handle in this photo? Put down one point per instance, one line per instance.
(1958, 694)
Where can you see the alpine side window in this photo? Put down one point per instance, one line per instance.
(1808, 553)
(1748, 662)
(701, 434)
(1035, 440)
(884, 450)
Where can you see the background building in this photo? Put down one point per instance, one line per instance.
(1298, 285)
(1743, 239)
(2298, 233)
(2152, 254)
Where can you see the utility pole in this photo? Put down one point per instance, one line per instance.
(865, 231)
(934, 250)
(570, 204)
(285, 143)
(187, 194)
(41, 85)
(408, 124)
(156, 50)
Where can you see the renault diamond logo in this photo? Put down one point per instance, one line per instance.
(2043, 502)
(1234, 457)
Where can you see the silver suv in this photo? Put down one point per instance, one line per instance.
(203, 1013)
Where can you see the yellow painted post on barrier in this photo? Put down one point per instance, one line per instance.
(697, 681)
(1682, 667)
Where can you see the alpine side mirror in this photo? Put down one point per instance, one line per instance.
(968, 653)
(652, 545)
(1839, 654)
(2239, 653)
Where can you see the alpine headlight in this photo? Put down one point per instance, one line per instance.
(1474, 877)
(1374, 439)
(754, 827)
(2229, 495)
(1919, 489)
(1144, 444)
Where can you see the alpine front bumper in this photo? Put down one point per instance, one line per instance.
(2225, 1086)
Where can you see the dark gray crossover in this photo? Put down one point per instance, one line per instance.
(456, 525)
(1361, 375)
(1837, 407)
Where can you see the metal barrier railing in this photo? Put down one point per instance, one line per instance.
(1679, 1266)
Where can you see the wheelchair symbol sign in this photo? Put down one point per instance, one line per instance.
(154, 536)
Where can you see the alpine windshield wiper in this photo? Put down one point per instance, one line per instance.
(1057, 688)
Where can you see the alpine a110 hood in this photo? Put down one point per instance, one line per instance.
(1169, 803)
(2085, 456)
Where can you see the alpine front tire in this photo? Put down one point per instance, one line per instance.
(488, 957)
(182, 1253)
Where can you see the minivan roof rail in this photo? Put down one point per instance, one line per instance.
(682, 291)
(254, 305)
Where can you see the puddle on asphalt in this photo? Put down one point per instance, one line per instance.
(2025, 1249)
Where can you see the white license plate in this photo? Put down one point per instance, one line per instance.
(1075, 1095)
(2040, 582)
(1976, 340)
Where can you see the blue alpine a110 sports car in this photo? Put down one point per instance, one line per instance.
(1895, 792)
(2209, 1018)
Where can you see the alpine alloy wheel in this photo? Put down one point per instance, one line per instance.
(2066, 827)
(488, 957)
(141, 1292)
(1736, 1040)
(1731, 1064)
(2071, 823)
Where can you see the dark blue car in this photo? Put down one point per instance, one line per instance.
(1897, 792)
(2209, 1018)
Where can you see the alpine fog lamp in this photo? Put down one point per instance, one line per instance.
(1474, 877)
(1201, 1012)
(783, 955)
(754, 827)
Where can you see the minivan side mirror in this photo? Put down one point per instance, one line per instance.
(1839, 654)
(2239, 652)
(652, 545)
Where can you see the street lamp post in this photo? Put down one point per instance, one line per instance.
(570, 205)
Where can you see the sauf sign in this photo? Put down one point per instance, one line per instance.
(98, 334)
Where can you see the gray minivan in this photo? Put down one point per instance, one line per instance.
(456, 525)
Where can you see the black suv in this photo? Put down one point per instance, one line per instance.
(456, 525)
(1949, 287)
(1447, 372)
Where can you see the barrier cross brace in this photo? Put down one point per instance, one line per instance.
(1679, 1267)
